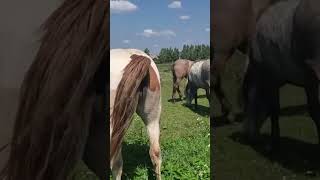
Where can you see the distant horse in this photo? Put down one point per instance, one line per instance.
(285, 49)
(61, 115)
(198, 77)
(134, 86)
(233, 23)
(180, 70)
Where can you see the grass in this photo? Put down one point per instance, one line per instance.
(297, 158)
(184, 139)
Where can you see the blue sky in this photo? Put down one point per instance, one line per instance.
(157, 24)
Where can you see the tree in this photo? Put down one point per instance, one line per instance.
(147, 51)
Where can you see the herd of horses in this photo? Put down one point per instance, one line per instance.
(61, 117)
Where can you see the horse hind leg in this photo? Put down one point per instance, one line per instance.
(179, 92)
(117, 165)
(149, 109)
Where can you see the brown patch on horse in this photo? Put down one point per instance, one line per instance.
(154, 84)
(59, 92)
(126, 99)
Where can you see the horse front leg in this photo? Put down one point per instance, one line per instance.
(225, 104)
(312, 92)
(275, 110)
(196, 99)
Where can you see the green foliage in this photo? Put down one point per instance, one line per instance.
(147, 51)
(191, 52)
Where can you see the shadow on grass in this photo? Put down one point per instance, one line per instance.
(176, 100)
(293, 154)
(134, 156)
(201, 110)
(294, 110)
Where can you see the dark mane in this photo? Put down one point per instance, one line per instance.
(57, 94)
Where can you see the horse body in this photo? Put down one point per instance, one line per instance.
(198, 77)
(132, 91)
(180, 70)
(233, 25)
(277, 58)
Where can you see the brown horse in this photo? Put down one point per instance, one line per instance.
(61, 115)
(233, 24)
(134, 87)
(180, 70)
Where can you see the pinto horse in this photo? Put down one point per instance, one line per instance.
(198, 77)
(285, 49)
(61, 117)
(134, 87)
(180, 70)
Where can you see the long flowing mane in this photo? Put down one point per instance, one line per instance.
(56, 98)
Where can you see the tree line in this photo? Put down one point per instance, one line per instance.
(191, 52)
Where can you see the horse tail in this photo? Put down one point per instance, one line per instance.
(58, 93)
(126, 100)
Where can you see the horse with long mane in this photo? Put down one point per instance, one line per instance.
(233, 23)
(61, 117)
(198, 77)
(285, 49)
(134, 87)
(180, 70)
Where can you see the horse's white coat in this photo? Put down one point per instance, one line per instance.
(119, 58)
(195, 74)
(148, 108)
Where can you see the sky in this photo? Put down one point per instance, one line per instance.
(156, 24)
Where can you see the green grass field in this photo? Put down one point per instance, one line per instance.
(298, 158)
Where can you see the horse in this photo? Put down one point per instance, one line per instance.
(134, 87)
(232, 25)
(180, 69)
(284, 50)
(61, 116)
(198, 77)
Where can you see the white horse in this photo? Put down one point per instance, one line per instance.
(134, 87)
(198, 77)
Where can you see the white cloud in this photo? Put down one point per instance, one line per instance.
(152, 33)
(207, 29)
(126, 41)
(185, 17)
(121, 6)
(175, 4)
